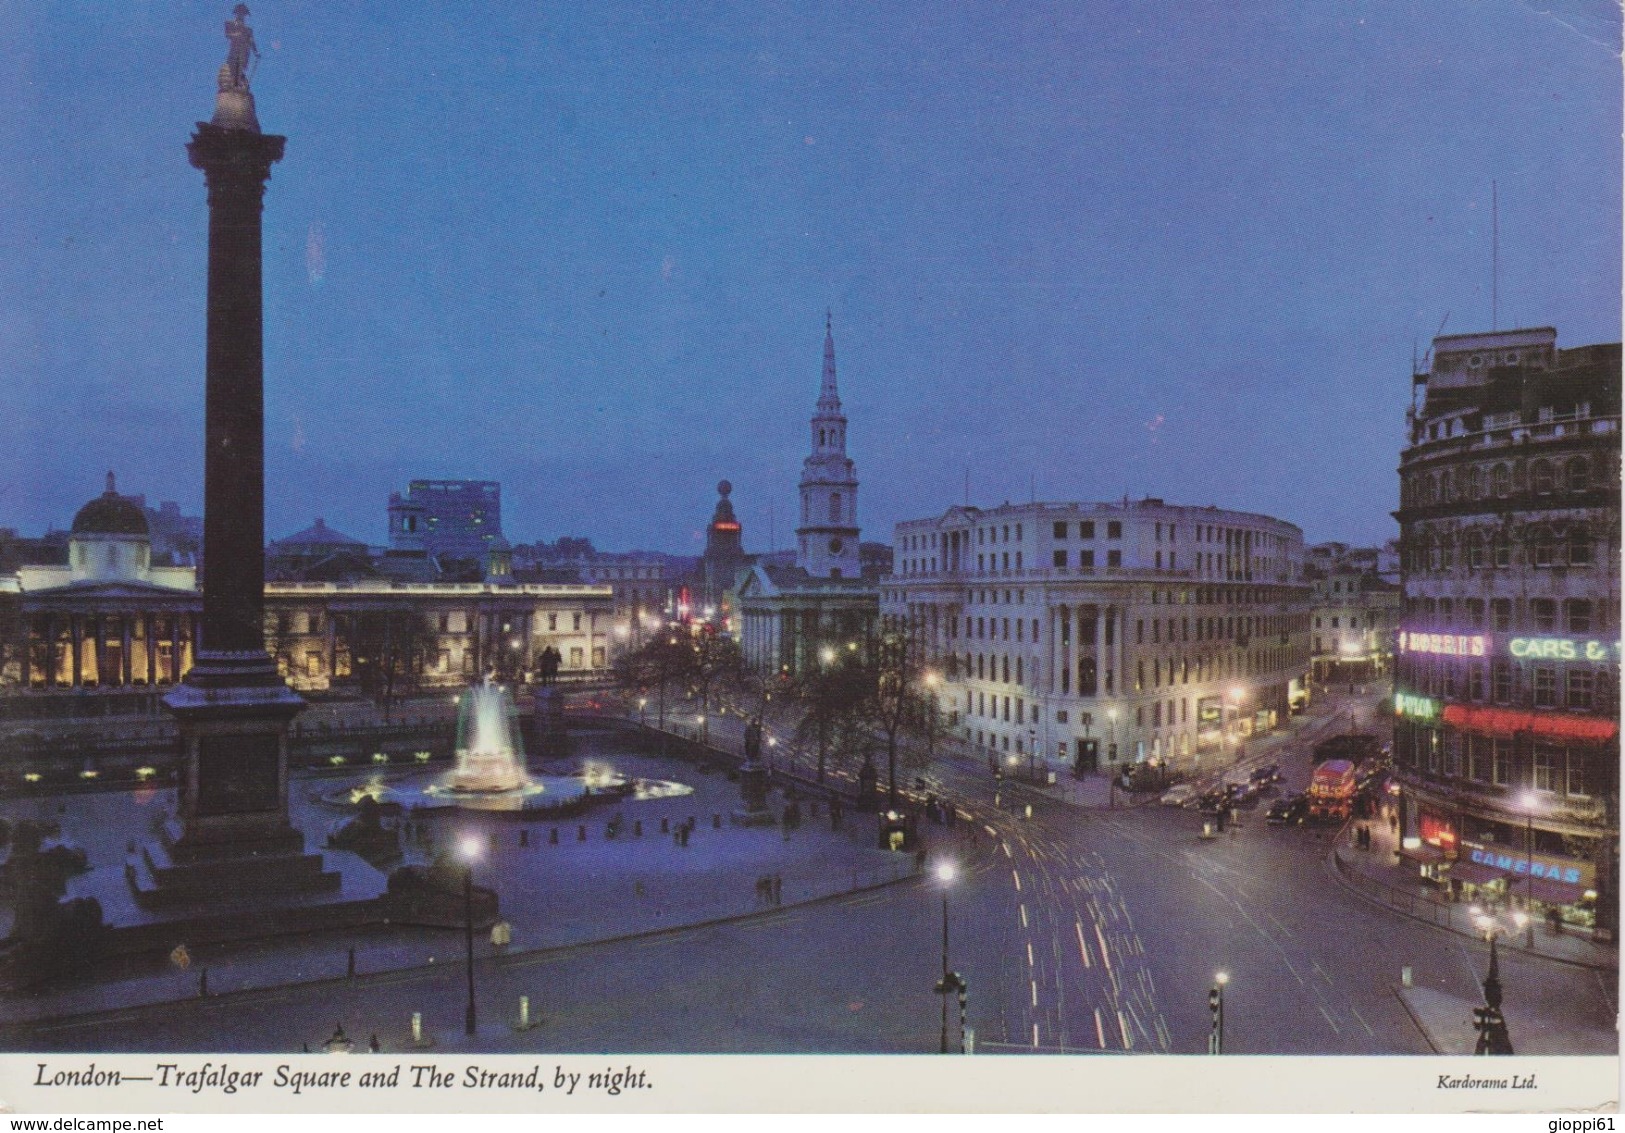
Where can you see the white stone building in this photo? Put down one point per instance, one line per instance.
(1088, 634)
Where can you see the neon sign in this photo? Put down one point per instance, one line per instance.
(1416, 707)
(1561, 649)
(1447, 644)
(1523, 866)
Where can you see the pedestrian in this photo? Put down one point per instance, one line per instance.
(778, 889)
(372, 1043)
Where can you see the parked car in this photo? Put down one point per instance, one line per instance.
(1291, 810)
(1269, 773)
(1242, 792)
(1180, 794)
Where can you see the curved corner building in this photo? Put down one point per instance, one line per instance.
(1506, 691)
(1096, 634)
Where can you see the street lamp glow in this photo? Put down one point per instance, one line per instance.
(1111, 714)
(931, 680)
(946, 872)
(469, 848)
(826, 654)
(1237, 693)
(1221, 978)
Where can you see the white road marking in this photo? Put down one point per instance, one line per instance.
(1100, 1031)
(1082, 949)
(1023, 915)
(1030, 954)
(1017, 876)
(1122, 1025)
(1034, 985)
(1105, 954)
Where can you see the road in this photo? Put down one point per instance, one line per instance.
(1091, 931)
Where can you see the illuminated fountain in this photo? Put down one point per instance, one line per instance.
(488, 754)
(489, 772)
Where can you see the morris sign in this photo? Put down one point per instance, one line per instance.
(1448, 644)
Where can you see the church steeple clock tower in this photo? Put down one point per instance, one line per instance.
(827, 539)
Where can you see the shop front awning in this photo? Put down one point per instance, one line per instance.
(1549, 891)
(1425, 853)
(1472, 873)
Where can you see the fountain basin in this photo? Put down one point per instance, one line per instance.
(539, 795)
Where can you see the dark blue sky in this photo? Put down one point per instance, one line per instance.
(585, 249)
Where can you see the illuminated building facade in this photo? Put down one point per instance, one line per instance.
(1106, 633)
(447, 519)
(1353, 619)
(1507, 681)
(788, 615)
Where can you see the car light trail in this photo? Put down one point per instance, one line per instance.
(1122, 1024)
(1083, 949)
(1100, 1030)
(1017, 876)
(1105, 954)
(1030, 954)
(1023, 915)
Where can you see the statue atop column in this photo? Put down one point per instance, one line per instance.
(240, 37)
(234, 102)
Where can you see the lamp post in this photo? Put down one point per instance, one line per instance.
(950, 982)
(1488, 1020)
(1032, 755)
(1530, 802)
(469, 850)
(1215, 1004)
(1111, 758)
(931, 682)
(643, 702)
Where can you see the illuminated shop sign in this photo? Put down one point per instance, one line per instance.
(1448, 644)
(1415, 707)
(1562, 649)
(1546, 725)
(1552, 869)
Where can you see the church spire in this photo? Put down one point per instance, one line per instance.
(829, 401)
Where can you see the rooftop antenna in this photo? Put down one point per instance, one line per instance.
(1495, 258)
(967, 485)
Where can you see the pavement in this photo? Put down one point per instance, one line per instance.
(1447, 1023)
(1381, 876)
(553, 895)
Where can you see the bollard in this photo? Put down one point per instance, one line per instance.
(203, 984)
(716, 822)
(553, 836)
(349, 968)
(1405, 975)
(581, 832)
(524, 1012)
(637, 828)
(417, 1027)
(665, 826)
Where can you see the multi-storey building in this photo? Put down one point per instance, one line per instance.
(447, 519)
(1506, 697)
(1097, 634)
(105, 630)
(1354, 614)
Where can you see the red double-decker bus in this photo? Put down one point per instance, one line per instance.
(1331, 791)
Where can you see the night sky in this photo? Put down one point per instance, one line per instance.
(1079, 248)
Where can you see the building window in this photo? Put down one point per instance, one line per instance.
(1475, 612)
(1578, 477)
(1501, 772)
(1086, 560)
(1501, 481)
(1086, 530)
(1579, 688)
(1060, 530)
(1547, 761)
(1501, 614)
(1543, 611)
(1114, 559)
(552, 621)
(1475, 682)
(1577, 613)
(1577, 775)
(1501, 681)
(1114, 529)
(1579, 547)
(1475, 550)
(1501, 551)
(1543, 547)
(1545, 687)
(1544, 477)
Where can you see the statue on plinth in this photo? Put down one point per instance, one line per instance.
(240, 37)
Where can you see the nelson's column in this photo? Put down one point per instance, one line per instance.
(230, 840)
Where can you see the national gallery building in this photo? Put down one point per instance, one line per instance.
(109, 629)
